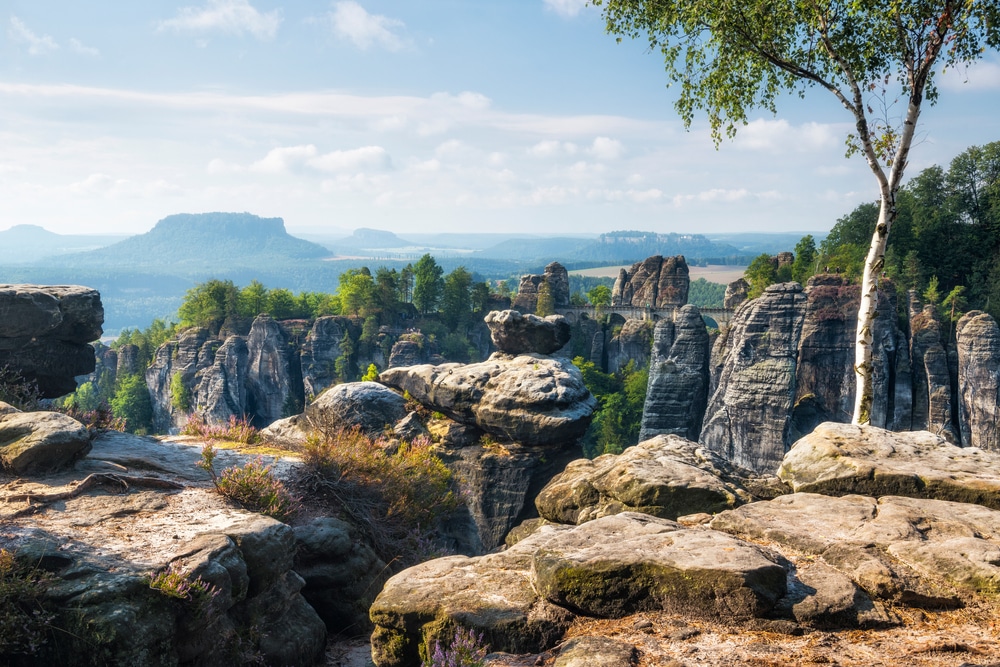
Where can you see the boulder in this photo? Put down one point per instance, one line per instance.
(45, 331)
(677, 393)
(39, 442)
(748, 418)
(596, 652)
(666, 476)
(841, 459)
(370, 406)
(514, 333)
(528, 399)
(524, 598)
(915, 551)
(978, 344)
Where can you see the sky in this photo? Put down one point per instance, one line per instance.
(429, 116)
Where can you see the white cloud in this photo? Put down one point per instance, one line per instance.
(713, 195)
(95, 184)
(567, 8)
(236, 17)
(37, 45)
(780, 136)
(288, 158)
(82, 49)
(551, 148)
(604, 148)
(350, 21)
(367, 157)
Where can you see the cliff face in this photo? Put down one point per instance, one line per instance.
(633, 342)
(182, 358)
(749, 415)
(274, 373)
(655, 282)
(978, 345)
(555, 279)
(678, 377)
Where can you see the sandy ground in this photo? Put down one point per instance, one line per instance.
(713, 273)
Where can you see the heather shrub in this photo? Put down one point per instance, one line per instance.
(100, 418)
(253, 486)
(236, 430)
(173, 583)
(396, 496)
(24, 620)
(465, 649)
(15, 390)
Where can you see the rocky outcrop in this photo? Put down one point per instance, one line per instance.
(666, 476)
(736, 293)
(655, 282)
(524, 598)
(221, 392)
(748, 419)
(555, 279)
(320, 351)
(369, 406)
(932, 400)
(45, 333)
(677, 392)
(274, 374)
(409, 350)
(978, 345)
(182, 358)
(633, 342)
(842, 459)
(514, 333)
(39, 442)
(147, 508)
(529, 399)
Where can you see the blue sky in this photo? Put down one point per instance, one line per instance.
(438, 115)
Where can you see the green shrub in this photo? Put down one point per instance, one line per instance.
(24, 620)
(236, 430)
(173, 583)
(396, 497)
(253, 486)
(180, 395)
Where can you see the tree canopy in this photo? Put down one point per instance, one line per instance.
(730, 57)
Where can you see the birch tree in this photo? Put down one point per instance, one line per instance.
(730, 57)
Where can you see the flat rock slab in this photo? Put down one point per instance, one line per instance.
(916, 551)
(841, 459)
(530, 398)
(522, 599)
(665, 476)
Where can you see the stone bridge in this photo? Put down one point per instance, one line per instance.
(719, 316)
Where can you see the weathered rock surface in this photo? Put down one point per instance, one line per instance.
(736, 293)
(528, 399)
(931, 377)
(319, 354)
(916, 551)
(525, 597)
(555, 279)
(840, 459)
(596, 652)
(978, 344)
(655, 282)
(370, 406)
(45, 331)
(748, 417)
(677, 392)
(633, 343)
(409, 350)
(274, 373)
(191, 352)
(666, 476)
(221, 392)
(514, 333)
(156, 509)
(342, 575)
(39, 442)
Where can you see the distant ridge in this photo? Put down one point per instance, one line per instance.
(205, 240)
(23, 244)
(371, 239)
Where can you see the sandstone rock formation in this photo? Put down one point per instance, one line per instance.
(370, 406)
(736, 293)
(38, 442)
(677, 392)
(633, 342)
(655, 282)
(528, 399)
(45, 333)
(665, 476)
(183, 358)
(274, 373)
(146, 507)
(931, 377)
(841, 459)
(409, 350)
(319, 354)
(978, 344)
(748, 418)
(555, 279)
(514, 333)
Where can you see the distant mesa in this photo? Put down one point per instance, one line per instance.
(370, 239)
(24, 243)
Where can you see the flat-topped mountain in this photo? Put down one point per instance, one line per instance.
(206, 240)
(366, 238)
